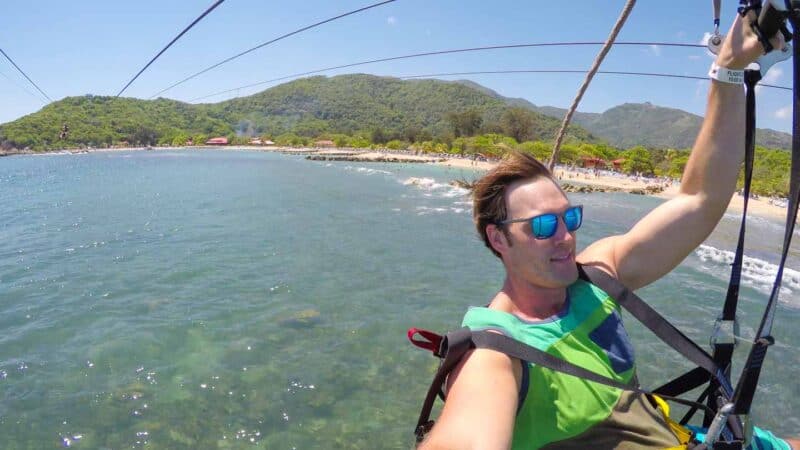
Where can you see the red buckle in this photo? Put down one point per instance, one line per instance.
(430, 340)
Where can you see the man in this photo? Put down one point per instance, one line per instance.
(524, 218)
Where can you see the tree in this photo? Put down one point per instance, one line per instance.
(676, 166)
(465, 123)
(638, 160)
(540, 150)
(411, 132)
(379, 136)
(517, 123)
(145, 136)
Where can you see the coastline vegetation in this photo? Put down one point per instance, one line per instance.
(360, 112)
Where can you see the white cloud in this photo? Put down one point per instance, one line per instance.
(774, 74)
(784, 113)
(700, 89)
(391, 20)
(680, 34)
(656, 49)
(772, 77)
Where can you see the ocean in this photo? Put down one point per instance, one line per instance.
(242, 299)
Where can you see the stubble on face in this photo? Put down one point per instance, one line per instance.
(540, 263)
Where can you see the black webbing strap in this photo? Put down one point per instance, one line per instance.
(673, 337)
(457, 343)
(524, 352)
(454, 345)
(745, 389)
(654, 321)
(723, 351)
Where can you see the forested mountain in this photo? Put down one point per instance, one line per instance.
(374, 107)
(653, 126)
(644, 124)
(104, 121)
(308, 107)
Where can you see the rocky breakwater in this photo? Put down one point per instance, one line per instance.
(374, 157)
(580, 188)
(590, 188)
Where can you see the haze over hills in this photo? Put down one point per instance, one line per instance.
(346, 104)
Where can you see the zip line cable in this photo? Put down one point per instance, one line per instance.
(25, 75)
(21, 87)
(444, 52)
(626, 10)
(374, 5)
(603, 72)
(210, 8)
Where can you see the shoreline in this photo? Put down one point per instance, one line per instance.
(756, 206)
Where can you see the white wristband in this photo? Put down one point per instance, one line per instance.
(726, 75)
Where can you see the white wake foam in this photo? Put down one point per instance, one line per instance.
(757, 273)
(434, 188)
(425, 210)
(367, 170)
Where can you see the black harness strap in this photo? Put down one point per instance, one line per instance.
(453, 347)
(654, 321)
(726, 323)
(707, 368)
(457, 343)
(745, 390)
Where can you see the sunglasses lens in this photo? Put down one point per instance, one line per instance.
(544, 226)
(573, 218)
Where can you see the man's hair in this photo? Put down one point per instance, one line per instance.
(489, 192)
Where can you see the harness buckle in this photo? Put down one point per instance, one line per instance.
(747, 426)
(725, 332)
(429, 340)
(718, 424)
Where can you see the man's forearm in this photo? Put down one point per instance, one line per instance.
(716, 158)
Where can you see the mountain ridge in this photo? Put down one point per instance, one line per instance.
(352, 103)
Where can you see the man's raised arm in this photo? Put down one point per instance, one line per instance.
(665, 236)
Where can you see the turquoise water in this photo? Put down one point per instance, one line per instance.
(234, 299)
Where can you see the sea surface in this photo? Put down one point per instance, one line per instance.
(238, 299)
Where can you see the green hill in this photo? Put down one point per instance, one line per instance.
(102, 121)
(307, 107)
(644, 124)
(348, 104)
(653, 126)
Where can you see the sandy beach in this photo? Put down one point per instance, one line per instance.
(758, 207)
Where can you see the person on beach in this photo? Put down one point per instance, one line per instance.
(526, 220)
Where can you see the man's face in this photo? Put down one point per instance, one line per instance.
(543, 263)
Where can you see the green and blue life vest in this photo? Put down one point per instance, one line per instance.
(566, 412)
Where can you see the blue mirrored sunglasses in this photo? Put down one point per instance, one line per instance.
(545, 226)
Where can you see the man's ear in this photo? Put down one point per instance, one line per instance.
(497, 238)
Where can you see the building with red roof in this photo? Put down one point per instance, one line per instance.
(217, 141)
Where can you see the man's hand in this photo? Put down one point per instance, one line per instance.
(741, 46)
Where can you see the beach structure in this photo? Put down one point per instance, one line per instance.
(593, 163)
(217, 141)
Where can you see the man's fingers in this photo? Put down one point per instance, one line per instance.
(778, 42)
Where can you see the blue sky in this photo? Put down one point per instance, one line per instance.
(93, 46)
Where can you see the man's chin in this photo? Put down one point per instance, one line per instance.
(566, 272)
